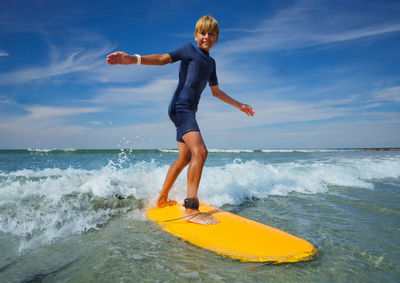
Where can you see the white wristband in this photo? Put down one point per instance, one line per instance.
(139, 59)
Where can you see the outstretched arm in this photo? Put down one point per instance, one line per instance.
(123, 58)
(227, 99)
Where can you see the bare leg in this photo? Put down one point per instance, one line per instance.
(198, 150)
(173, 173)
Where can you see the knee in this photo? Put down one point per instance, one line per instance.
(200, 154)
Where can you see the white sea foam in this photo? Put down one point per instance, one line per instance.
(230, 150)
(42, 205)
(304, 150)
(213, 150)
(44, 150)
(235, 182)
(169, 150)
(40, 150)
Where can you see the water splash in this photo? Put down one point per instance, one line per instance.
(40, 206)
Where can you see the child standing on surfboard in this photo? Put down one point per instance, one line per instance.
(196, 70)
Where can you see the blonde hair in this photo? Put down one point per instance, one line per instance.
(207, 24)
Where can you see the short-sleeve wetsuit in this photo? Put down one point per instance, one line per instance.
(196, 69)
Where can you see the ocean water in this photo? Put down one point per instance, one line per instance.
(77, 215)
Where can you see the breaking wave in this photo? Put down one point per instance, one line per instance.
(41, 205)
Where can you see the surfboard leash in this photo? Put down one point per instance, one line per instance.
(183, 217)
(190, 215)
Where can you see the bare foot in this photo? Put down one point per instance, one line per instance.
(165, 202)
(198, 217)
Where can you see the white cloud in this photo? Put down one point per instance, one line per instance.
(278, 123)
(25, 132)
(157, 92)
(43, 125)
(336, 134)
(3, 53)
(307, 24)
(83, 53)
(5, 99)
(390, 94)
(97, 123)
(273, 111)
(76, 61)
(359, 33)
(45, 112)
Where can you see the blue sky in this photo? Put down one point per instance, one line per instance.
(318, 73)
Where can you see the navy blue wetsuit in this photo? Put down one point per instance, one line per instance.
(197, 68)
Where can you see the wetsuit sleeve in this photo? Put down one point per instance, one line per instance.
(183, 52)
(213, 80)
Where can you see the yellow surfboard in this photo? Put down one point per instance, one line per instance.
(234, 236)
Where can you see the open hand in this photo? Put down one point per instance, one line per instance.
(247, 109)
(121, 58)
